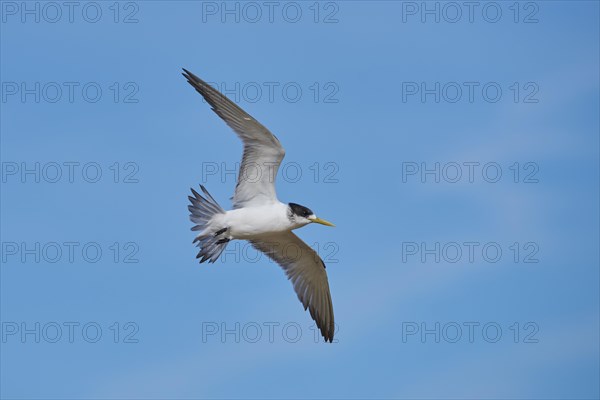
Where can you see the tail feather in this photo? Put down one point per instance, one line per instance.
(202, 211)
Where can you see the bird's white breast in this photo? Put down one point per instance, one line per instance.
(249, 222)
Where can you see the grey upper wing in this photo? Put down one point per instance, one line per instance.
(262, 150)
(306, 270)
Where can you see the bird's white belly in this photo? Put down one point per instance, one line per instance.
(249, 222)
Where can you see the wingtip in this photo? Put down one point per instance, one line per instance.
(190, 76)
(196, 194)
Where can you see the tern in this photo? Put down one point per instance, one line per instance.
(257, 215)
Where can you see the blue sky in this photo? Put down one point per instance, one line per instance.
(475, 285)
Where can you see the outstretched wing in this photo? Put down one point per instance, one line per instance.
(262, 151)
(306, 270)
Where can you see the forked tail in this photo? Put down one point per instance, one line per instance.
(211, 239)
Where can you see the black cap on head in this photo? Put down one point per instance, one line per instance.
(299, 210)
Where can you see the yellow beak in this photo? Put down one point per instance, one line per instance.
(321, 221)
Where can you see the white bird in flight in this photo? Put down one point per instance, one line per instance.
(257, 215)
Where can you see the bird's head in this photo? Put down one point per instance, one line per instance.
(300, 216)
